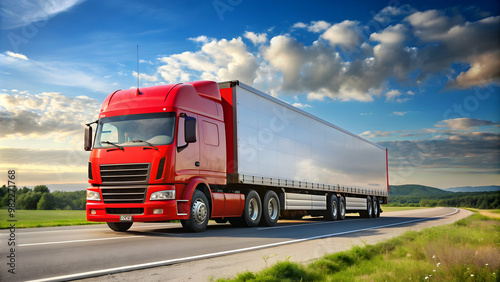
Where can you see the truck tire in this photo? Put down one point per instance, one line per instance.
(251, 213)
(376, 207)
(270, 209)
(342, 208)
(368, 213)
(332, 208)
(199, 213)
(119, 226)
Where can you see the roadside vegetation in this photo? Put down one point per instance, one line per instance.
(424, 196)
(38, 218)
(467, 250)
(40, 198)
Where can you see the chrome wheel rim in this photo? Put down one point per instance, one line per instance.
(272, 208)
(253, 209)
(199, 211)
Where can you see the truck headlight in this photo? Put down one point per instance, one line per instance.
(93, 196)
(163, 195)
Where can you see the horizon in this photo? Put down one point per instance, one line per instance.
(420, 79)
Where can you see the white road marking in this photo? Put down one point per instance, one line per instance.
(78, 241)
(216, 254)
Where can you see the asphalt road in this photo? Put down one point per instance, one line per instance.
(75, 252)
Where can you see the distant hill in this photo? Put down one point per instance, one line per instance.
(491, 188)
(415, 190)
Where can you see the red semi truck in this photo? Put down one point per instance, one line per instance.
(224, 151)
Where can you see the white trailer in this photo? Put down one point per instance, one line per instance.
(314, 166)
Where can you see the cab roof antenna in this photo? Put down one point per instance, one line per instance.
(138, 92)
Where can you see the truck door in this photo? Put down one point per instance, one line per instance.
(212, 150)
(187, 163)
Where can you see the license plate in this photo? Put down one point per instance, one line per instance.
(126, 218)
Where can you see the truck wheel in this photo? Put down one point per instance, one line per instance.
(252, 211)
(119, 226)
(376, 207)
(271, 209)
(198, 219)
(368, 213)
(332, 209)
(342, 208)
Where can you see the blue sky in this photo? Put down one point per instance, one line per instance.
(419, 77)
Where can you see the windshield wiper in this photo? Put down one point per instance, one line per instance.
(111, 143)
(142, 141)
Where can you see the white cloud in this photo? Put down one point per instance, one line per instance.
(318, 26)
(388, 13)
(256, 39)
(201, 39)
(484, 69)
(299, 25)
(217, 60)
(343, 65)
(346, 34)
(392, 35)
(399, 113)
(16, 55)
(47, 113)
(143, 76)
(21, 13)
(465, 123)
(300, 105)
(392, 95)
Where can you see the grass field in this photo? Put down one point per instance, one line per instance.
(37, 218)
(467, 250)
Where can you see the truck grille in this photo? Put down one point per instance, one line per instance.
(125, 174)
(129, 195)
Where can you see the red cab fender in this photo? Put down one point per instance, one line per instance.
(184, 202)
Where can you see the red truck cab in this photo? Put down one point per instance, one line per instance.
(159, 154)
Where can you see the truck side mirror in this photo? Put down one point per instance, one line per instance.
(190, 130)
(88, 138)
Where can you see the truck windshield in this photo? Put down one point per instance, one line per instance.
(135, 130)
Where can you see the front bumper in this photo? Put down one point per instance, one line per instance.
(172, 209)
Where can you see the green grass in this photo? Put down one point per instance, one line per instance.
(42, 218)
(467, 250)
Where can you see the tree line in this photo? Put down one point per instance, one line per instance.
(40, 198)
(478, 200)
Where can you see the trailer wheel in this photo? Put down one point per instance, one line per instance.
(119, 226)
(368, 213)
(376, 207)
(342, 208)
(271, 209)
(332, 208)
(251, 213)
(200, 212)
